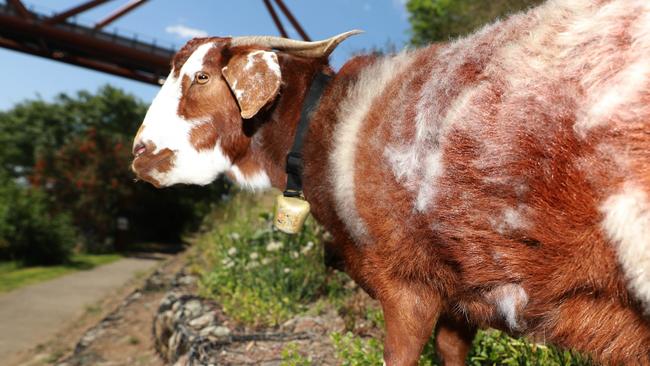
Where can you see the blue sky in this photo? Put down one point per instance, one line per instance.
(172, 21)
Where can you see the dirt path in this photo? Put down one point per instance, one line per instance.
(33, 314)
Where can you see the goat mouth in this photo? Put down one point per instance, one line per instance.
(146, 166)
(139, 151)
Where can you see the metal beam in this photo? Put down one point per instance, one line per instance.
(20, 9)
(83, 46)
(293, 20)
(276, 19)
(61, 17)
(85, 42)
(83, 62)
(118, 13)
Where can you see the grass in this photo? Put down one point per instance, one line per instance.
(13, 275)
(263, 277)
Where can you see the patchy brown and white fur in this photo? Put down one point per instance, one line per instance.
(501, 180)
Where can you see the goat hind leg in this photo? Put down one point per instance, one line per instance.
(410, 317)
(453, 340)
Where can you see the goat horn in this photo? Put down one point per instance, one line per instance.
(299, 48)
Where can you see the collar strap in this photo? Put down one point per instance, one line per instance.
(294, 164)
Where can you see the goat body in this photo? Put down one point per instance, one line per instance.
(500, 180)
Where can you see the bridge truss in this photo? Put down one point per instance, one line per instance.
(59, 38)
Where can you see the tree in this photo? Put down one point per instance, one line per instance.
(76, 150)
(35, 128)
(441, 20)
(29, 233)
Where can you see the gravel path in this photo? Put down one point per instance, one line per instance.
(32, 314)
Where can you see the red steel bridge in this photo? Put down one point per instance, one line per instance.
(59, 38)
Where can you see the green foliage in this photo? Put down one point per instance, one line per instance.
(262, 276)
(440, 20)
(76, 149)
(29, 233)
(356, 351)
(37, 128)
(292, 357)
(496, 348)
(87, 177)
(489, 348)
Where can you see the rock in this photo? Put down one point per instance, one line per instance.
(202, 321)
(215, 331)
(182, 361)
(178, 316)
(221, 331)
(176, 305)
(154, 283)
(187, 280)
(304, 324)
(193, 308)
(207, 331)
(167, 302)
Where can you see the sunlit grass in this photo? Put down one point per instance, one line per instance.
(13, 275)
(263, 277)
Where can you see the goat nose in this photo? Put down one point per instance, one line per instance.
(139, 149)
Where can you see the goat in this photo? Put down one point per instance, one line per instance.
(500, 180)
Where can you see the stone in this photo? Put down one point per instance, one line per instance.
(173, 342)
(202, 321)
(302, 324)
(187, 280)
(178, 316)
(176, 305)
(182, 361)
(193, 308)
(215, 331)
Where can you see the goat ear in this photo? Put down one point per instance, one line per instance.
(254, 78)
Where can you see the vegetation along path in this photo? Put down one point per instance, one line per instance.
(33, 314)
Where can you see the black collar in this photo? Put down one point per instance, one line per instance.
(294, 157)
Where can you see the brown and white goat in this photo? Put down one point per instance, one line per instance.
(501, 180)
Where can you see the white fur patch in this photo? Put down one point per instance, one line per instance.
(418, 163)
(613, 74)
(258, 181)
(167, 130)
(627, 224)
(270, 58)
(511, 219)
(239, 93)
(351, 115)
(510, 300)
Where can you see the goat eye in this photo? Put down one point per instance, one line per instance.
(201, 77)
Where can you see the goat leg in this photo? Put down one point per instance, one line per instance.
(410, 314)
(453, 340)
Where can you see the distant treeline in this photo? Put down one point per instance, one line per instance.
(65, 181)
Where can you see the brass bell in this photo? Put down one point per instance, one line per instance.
(290, 213)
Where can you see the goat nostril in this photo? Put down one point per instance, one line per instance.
(139, 149)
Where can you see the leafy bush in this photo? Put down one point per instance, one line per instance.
(262, 276)
(440, 20)
(292, 357)
(496, 348)
(77, 149)
(28, 232)
(489, 348)
(356, 351)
